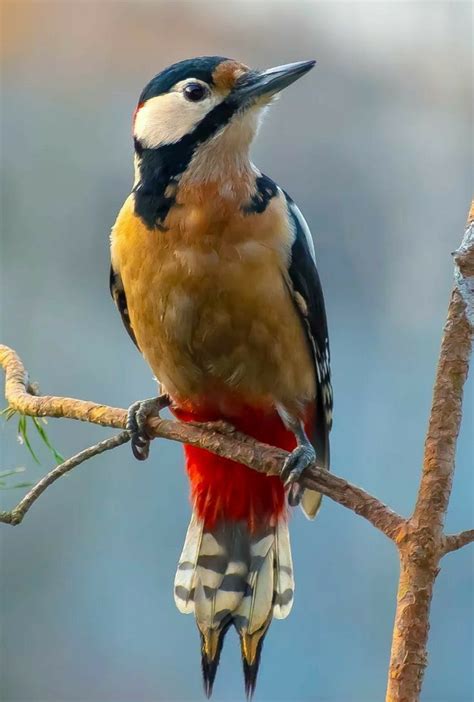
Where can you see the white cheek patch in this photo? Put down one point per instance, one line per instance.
(166, 119)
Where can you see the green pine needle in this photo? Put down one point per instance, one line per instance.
(23, 434)
(8, 413)
(14, 487)
(24, 438)
(7, 474)
(41, 431)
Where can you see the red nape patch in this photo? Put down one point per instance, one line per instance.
(224, 489)
(135, 112)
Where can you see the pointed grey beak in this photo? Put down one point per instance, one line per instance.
(270, 82)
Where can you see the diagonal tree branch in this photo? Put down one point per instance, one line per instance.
(218, 438)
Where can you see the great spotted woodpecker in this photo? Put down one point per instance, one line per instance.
(214, 274)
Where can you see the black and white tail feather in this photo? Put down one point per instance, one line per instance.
(230, 576)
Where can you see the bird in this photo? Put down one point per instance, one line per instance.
(214, 274)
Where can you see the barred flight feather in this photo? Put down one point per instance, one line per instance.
(232, 576)
(185, 574)
(284, 582)
(257, 601)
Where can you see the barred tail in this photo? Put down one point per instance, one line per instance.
(229, 575)
(268, 594)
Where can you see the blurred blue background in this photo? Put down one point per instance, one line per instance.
(375, 146)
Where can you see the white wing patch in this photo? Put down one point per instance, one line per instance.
(324, 377)
(304, 228)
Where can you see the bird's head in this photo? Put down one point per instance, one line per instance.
(208, 105)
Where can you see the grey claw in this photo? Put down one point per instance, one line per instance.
(137, 417)
(299, 459)
(295, 493)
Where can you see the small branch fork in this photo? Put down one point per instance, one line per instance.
(420, 539)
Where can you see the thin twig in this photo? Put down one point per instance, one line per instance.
(15, 516)
(453, 542)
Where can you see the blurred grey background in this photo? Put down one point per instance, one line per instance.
(375, 146)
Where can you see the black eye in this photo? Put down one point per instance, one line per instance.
(195, 92)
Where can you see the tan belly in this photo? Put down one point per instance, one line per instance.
(213, 316)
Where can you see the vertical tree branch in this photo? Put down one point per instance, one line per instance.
(422, 544)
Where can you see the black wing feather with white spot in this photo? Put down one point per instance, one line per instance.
(306, 283)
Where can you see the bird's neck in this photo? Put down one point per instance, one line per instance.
(203, 163)
(223, 163)
(165, 177)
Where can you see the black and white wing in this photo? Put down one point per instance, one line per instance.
(118, 295)
(309, 299)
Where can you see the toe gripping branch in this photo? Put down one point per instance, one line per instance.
(299, 459)
(137, 417)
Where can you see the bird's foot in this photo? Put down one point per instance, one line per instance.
(299, 459)
(137, 416)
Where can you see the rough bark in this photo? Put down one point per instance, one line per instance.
(422, 543)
